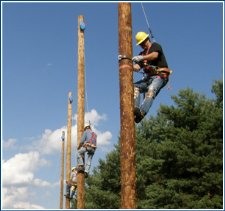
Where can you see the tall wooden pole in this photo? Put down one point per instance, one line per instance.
(127, 128)
(62, 171)
(80, 106)
(68, 148)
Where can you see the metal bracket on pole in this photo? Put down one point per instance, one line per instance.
(120, 57)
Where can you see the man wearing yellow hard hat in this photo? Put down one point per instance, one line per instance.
(153, 62)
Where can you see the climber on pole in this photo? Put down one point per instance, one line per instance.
(71, 185)
(87, 144)
(153, 62)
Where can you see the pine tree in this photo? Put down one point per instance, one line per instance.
(104, 187)
(179, 158)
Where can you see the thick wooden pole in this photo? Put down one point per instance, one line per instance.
(80, 107)
(68, 148)
(127, 128)
(62, 171)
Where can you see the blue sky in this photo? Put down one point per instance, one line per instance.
(39, 68)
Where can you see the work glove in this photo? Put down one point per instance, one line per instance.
(137, 59)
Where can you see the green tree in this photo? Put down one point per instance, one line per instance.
(179, 158)
(104, 186)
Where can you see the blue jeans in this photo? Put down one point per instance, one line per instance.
(151, 86)
(71, 193)
(81, 155)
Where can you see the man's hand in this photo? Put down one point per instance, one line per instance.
(79, 146)
(137, 59)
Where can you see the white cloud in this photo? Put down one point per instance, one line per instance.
(17, 198)
(93, 117)
(19, 169)
(9, 143)
(26, 205)
(103, 138)
(50, 141)
(41, 183)
(19, 178)
(13, 194)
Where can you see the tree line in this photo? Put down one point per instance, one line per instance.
(179, 158)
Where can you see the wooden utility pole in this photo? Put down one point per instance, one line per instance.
(80, 106)
(62, 170)
(127, 128)
(68, 148)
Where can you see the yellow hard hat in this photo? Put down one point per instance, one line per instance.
(140, 37)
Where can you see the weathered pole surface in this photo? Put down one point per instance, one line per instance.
(127, 128)
(62, 171)
(80, 107)
(68, 148)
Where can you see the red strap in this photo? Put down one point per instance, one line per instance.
(92, 139)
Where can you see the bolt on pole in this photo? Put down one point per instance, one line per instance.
(80, 106)
(127, 127)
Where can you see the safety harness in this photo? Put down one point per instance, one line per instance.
(92, 141)
(152, 70)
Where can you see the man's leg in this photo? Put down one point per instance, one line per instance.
(80, 158)
(73, 189)
(136, 97)
(154, 88)
(67, 191)
(88, 162)
(139, 87)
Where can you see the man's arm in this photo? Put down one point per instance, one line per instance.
(82, 140)
(152, 56)
(149, 57)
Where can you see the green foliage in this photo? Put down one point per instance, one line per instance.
(104, 187)
(179, 158)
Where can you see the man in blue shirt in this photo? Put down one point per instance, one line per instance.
(87, 144)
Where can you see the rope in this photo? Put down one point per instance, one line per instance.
(152, 38)
(149, 29)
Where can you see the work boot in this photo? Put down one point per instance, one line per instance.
(85, 174)
(138, 115)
